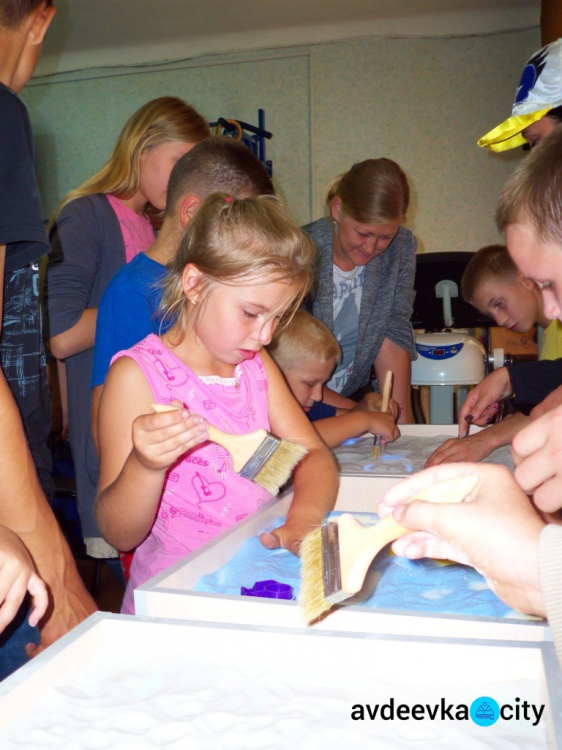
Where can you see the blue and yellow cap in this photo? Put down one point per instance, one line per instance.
(539, 91)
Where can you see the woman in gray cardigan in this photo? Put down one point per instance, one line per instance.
(365, 283)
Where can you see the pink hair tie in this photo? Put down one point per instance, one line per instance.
(228, 200)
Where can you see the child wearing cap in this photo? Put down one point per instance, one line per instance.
(537, 108)
(307, 353)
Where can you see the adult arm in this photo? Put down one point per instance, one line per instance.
(550, 567)
(480, 444)
(531, 382)
(25, 510)
(315, 479)
(396, 350)
(495, 529)
(395, 358)
(526, 382)
(480, 405)
(553, 400)
(18, 576)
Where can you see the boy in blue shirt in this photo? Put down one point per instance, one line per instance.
(128, 310)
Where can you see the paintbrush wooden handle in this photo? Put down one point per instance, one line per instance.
(386, 391)
(240, 447)
(367, 542)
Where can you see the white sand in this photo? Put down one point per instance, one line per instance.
(260, 691)
(404, 456)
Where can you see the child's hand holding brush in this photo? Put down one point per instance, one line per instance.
(373, 402)
(379, 442)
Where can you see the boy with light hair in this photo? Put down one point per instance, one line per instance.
(307, 353)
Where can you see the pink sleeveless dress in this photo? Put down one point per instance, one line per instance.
(202, 495)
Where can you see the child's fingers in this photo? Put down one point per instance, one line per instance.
(168, 420)
(172, 429)
(270, 540)
(161, 446)
(280, 537)
(40, 598)
(11, 601)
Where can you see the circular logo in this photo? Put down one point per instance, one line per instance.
(484, 711)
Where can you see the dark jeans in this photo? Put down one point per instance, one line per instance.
(23, 360)
(14, 639)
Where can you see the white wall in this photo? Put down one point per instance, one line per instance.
(421, 101)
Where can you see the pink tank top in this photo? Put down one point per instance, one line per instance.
(202, 495)
(137, 231)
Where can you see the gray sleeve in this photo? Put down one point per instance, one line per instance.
(77, 246)
(550, 571)
(400, 330)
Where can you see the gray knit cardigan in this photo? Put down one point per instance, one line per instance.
(386, 302)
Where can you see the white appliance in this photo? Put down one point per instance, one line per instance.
(448, 363)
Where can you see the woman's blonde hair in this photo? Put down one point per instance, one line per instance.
(373, 191)
(304, 336)
(158, 121)
(229, 239)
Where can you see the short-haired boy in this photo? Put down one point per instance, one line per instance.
(129, 308)
(492, 283)
(307, 353)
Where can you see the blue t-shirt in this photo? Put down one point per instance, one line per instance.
(128, 311)
(320, 410)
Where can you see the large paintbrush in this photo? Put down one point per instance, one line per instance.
(258, 456)
(336, 556)
(378, 447)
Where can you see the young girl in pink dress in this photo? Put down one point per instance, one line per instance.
(165, 489)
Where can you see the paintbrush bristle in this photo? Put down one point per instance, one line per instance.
(279, 466)
(311, 597)
(335, 557)
(376, 451)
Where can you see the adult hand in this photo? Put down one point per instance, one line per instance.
(495, 529)
(472, 448)
(553, 400)
(481, 402)
(537, 454)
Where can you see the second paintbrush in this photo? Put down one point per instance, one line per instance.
(378, 445)
(258, 456)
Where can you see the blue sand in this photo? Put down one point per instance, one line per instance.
(419, 585)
